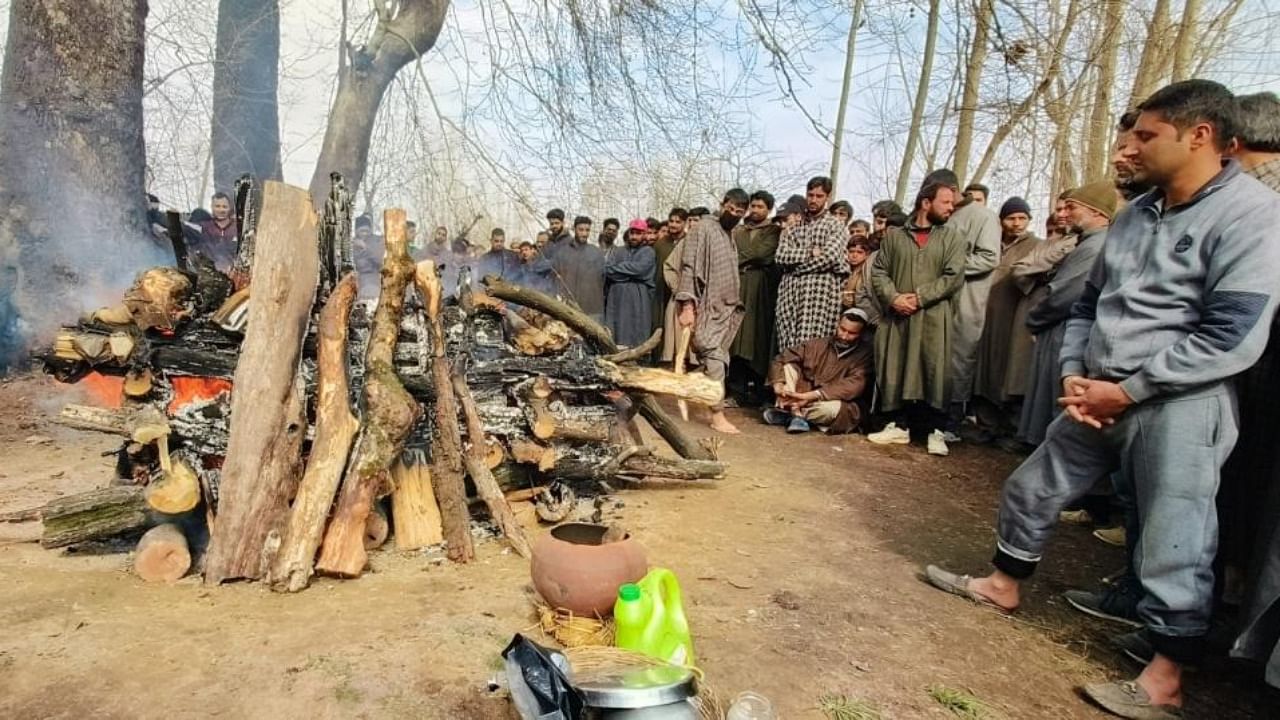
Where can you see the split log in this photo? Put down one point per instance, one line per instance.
(595, 334)
(116, 421)
(486, 486)
(682, 356)
(414, 511)
(692, 386)
(336, 429)
(390, 414)
(526, 451)
(95, 515)
(446, 446)
(574, 464)
(162, 554)
(494, 453)
(376, 528)
(177, 490)
(264, 451)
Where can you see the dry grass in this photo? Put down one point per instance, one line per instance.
(842, 707)
(962, 704)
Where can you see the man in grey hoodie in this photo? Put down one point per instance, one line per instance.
(1180, 301)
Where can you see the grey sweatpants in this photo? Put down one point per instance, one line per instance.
(1166, 454)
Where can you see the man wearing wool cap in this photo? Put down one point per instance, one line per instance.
(1004, 353)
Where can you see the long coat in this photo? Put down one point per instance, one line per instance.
(1004, 353)
(661, 291)
(627, 308)
(913, 353)
(979, 227)
(667, 321)
(842, 376)
(579, 275)
(1047, 321)
(709, 277)
(814, 265)
(758, 285)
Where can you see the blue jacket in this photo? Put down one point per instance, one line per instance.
(1181, 297)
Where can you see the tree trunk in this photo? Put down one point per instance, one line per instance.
(837, 139)
(246, 72)
(983, 15)
(389, 414)
(94, 515)
(919, 104)
(1184, 45)
(336, 428)
(268, 423)
(1098, 141)
(72, 163)
(1148, 72)
(162, 554)
(396, 41)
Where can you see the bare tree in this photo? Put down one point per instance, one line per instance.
(1099, 135)
(245, 119)
(918, 104)
(1184, 45)
(984, 14)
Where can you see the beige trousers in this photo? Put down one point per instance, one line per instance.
(822, 412)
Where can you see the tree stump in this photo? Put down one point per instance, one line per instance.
(162, 554)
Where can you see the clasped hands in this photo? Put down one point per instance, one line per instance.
(906, 304)
(792, 401)
(1096, 403)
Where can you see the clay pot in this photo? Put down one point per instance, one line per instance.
(573, 570)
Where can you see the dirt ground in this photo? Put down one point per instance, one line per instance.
(799, 570)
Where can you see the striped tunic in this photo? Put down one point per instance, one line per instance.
(814, 265)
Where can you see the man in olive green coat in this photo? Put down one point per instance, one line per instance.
(917, 272)
(757, 241)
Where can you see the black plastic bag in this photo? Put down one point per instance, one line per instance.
(545, 684)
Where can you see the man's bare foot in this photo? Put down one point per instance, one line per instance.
(1162, 680)
(721, 424)
(998, 588)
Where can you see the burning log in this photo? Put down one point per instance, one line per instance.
(95, 515)
(390, 414)
(595, 334)
(336, 429)
(486, 486)
(162, 554)
(446, 447)
(413, 506)
(260, 472)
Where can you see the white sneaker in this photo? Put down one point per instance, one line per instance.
(938, 444)
(890, 435)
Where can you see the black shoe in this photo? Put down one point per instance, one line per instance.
(1114, 603)
(1135, 646)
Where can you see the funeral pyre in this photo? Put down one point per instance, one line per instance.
(269, 412)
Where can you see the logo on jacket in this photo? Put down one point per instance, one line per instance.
(1184, 244)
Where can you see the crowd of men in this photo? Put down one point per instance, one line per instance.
(1127, 351)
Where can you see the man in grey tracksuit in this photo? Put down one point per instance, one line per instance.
(1180, 301)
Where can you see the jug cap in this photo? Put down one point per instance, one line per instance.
(629, 592)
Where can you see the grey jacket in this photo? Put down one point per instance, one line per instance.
(1068, 282)
(1181, 297)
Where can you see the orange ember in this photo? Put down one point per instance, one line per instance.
(189, 389)
(104, 390)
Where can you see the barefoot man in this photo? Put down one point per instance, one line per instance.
(708, 293)
(1179, 302)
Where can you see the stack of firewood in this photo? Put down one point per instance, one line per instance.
(289, 473)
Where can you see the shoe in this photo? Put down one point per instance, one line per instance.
(1116, 603)
(1128, 700)
(951, 437)
(937, 444)
(1111, 536)
(776, 416)
(1014, 446)
(798, 425)
(1135, 646)
(890, 435)
(1075, 517)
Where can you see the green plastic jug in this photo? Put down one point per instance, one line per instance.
(649, 618)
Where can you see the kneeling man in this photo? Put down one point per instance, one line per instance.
(821, 381)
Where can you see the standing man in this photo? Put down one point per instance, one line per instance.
(629, 271)
(367, 250)
(859, 229)
(579, 269)
(756, 240)
(664, 311)
(1179, 302)
(980, 230)
(498, 260)
(535, 270)
(813, 261)
(918, 270)
(823, 381)
(541, 240)
(219, 235)
(697, 214)
(609, 233)
(1004, 353)
(411, 236)
(557, 233)
(707, 292)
